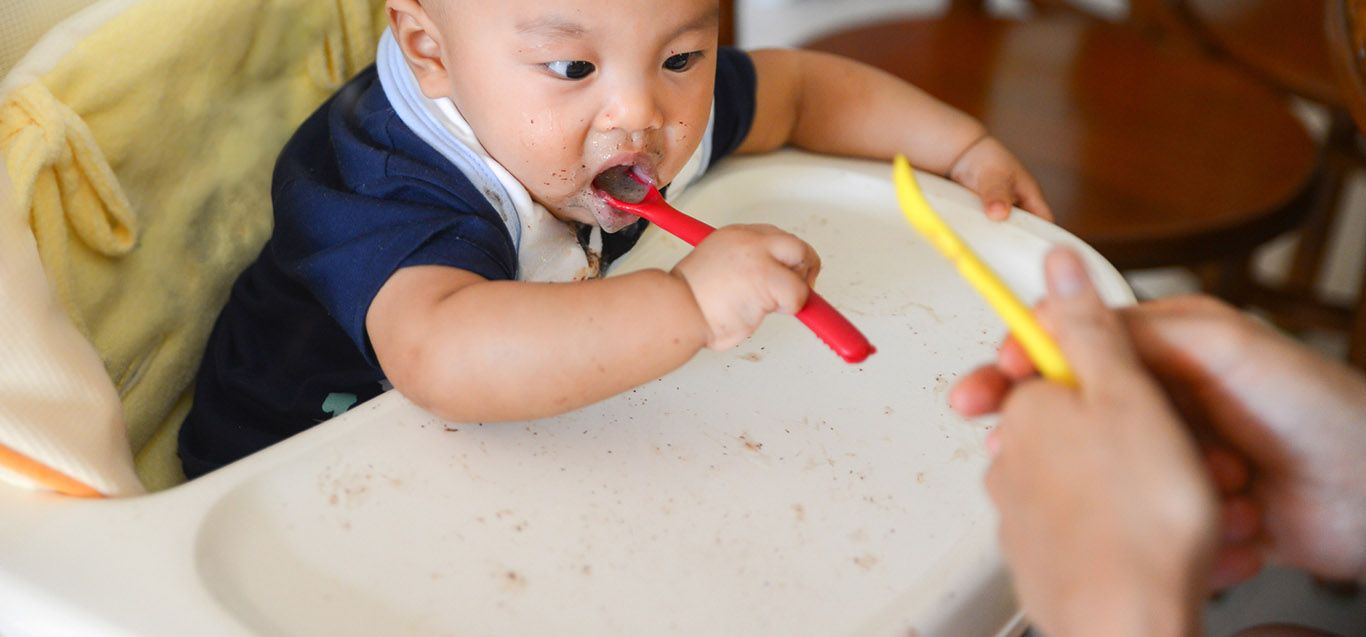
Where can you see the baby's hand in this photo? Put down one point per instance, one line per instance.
(741, 273)
(999, 179)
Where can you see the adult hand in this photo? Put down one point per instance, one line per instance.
(1295, 418)
(1284, 430)
(1107, 519)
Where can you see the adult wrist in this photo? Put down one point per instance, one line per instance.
(1128, 615)
(1134, 601)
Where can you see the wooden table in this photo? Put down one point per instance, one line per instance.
(1281, 40)
(1154, 157)
(1346, 27)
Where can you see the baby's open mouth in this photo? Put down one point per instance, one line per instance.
(624, 183)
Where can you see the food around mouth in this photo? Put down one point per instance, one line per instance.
(622, 183)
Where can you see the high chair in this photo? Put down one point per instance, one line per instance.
(771, 489)
(145, 176)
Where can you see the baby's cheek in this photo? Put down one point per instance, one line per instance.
(683, 142)
(555, 169)
(553, 192)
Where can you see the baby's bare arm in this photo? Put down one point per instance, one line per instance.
(828, 104)
(469, 349)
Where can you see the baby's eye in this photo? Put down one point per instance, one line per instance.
(682, 61)
(571, 69)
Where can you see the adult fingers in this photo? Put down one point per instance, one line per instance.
(984, 389)
(1188, 337)
(980, 392)
(1228, 470)
(1090, 334)
(1013, 361)
(1241, 519)
(1235, 564)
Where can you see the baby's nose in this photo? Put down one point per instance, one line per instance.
(632, 108)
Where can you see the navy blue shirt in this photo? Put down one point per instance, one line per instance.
(357, 196)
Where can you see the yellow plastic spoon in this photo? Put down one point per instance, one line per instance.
(1040, 347)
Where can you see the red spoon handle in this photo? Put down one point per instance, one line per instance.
(818, 315)
(680, 225)
(834, 329)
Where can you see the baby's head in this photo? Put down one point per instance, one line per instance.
(558, 92)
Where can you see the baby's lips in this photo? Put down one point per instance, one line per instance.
(644, 163)
(622, 183)
(647, 173)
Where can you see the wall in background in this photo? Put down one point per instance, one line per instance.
(787, 22)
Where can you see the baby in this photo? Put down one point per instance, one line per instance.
(437, 229)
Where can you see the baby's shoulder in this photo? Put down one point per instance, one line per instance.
(355, 148)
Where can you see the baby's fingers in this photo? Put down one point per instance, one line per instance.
(788, 289)
(797, 255)
(997, 190)
(815, 269)
(1030, 197)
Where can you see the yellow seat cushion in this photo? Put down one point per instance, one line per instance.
(142, 155)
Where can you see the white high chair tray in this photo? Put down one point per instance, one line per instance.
(768, 490)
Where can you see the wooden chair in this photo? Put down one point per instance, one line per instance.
(1150, 151)
(1284, 43)
(1346, 28)
(1345, 23)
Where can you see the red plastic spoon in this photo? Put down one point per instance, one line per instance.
(627, 191)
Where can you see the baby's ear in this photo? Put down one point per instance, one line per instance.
(420, 40)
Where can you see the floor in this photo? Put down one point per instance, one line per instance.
(1277, 595)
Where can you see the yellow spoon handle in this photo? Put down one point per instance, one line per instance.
(1037, 343)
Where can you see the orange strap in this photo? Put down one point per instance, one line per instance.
(45, 475)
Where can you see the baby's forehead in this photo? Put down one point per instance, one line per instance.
(567, 18)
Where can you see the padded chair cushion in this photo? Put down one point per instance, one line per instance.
(61, 426)
(22, 22)
(139, 137)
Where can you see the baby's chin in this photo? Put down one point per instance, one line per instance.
(590, 208)
(608, 218)
(614, 225)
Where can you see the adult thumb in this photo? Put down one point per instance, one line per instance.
(1091, 336)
